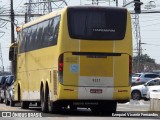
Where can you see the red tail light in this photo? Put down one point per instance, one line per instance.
(60, 68)
(138, 79)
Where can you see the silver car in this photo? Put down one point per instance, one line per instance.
(140, 78)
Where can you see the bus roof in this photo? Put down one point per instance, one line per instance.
(58, 12)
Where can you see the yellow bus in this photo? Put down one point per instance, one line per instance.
(79, 56)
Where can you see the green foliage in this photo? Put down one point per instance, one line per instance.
(147, 64)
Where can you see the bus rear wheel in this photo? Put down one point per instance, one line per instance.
(44, 101)
(12, 103)
(53, 107)
(7, 102)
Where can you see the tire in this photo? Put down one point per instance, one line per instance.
(12, 103)
(50, 105)
(136, 95)
(146, 99)
(54, 107)
(24, 104)
(38, 104)
(1, 100)
(7, 102)
(44, 101)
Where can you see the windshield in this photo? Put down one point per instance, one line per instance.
(97, 23)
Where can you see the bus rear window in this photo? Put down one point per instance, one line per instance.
(97, 23)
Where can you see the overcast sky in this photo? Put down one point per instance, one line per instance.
(149, 26)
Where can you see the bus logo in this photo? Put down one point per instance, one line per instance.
(104, 30)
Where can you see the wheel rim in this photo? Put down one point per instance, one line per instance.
(135, 96)
(42, 99)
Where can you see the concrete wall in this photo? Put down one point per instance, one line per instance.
(155, 101)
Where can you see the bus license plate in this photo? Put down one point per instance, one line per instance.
(98, 91)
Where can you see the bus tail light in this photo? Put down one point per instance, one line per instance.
(60, 68)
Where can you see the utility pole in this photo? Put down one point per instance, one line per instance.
(137, 36)
(117, 3)
(137, 9)
(136, 29)
(13, 63)
(12, 22)
(41, 7)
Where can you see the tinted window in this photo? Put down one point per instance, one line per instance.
(45, 34)
(151, 75)
(23, 42)
(153, 82)
(33, 39)
(28, 38)
(97, 23)
(55, 30)
(41, 35)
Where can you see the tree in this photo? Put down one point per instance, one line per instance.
(147, 64)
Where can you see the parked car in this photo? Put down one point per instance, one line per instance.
(141, 78)
(2, 88)
(143, 91)
(9, 90)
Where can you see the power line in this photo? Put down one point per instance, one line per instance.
(150, 25)
(19, 5)
(150, 20)
(4, 5)
(151, 44)
(150, 30)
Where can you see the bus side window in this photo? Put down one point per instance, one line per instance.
(28, 39)
(50, 31)
(45, 35)
(53, 30)
(23, 42)
(33, 40)
(56, 29)
(39, 35)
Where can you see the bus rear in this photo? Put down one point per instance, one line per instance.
(95, 57)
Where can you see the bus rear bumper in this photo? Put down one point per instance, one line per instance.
(94, 93)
